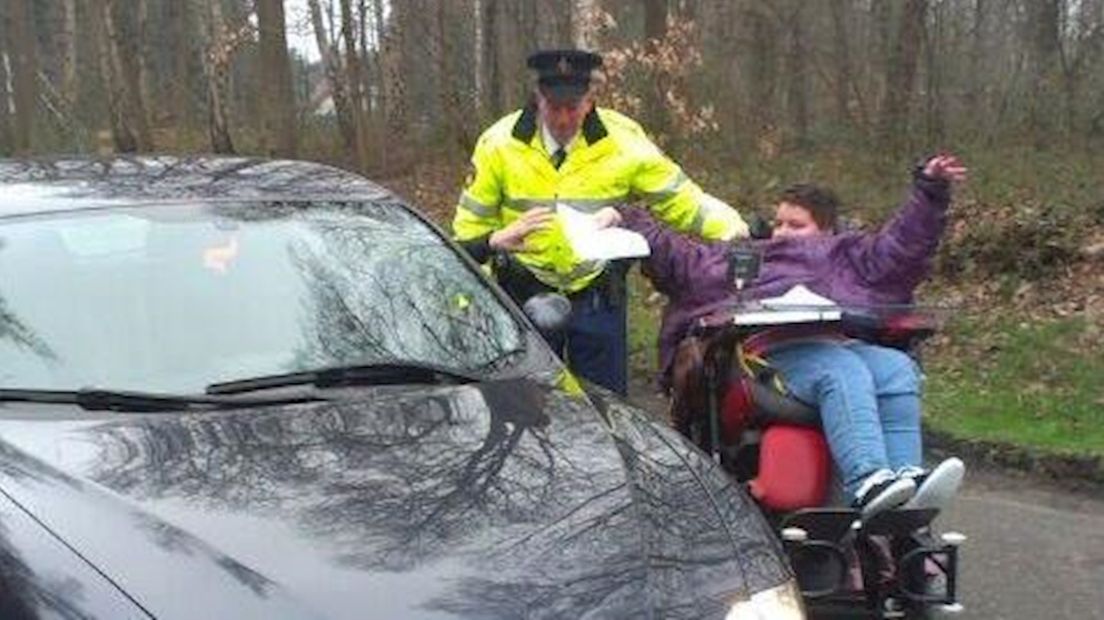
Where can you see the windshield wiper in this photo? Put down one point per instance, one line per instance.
(384, 373)
(117, 400)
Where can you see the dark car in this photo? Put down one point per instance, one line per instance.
(233, 388)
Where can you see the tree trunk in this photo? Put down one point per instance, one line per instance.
(583, 24)
(5, 96)
(277, 97)
(366, 52)
(23, 63)
(456, 108)
(901, 74)
(394, 80)
(217, 52)
(477, 55)
(797, 91)
(933, 92)
(492, 58)
(654, 95)
(124, 136)
(846, 88)
(377, 60)
(68, 44)
(352, 82)
(977, 57)
(655, 19)
(1043, 47)
(338, 93)
(142, 59)
(763, 71)
(124, 79)
(182, 63)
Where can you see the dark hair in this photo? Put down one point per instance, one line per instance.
(821, 202)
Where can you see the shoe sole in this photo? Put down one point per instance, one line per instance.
(893, 496)
(940, 486)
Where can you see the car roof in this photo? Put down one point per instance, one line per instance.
(64, 184)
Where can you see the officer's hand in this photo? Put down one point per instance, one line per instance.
(512, 237)
(607, 216)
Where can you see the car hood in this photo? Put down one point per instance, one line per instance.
(504, 499)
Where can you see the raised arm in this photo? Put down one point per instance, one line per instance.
(902, 250)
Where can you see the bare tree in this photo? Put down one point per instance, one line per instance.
(583, 23)
(1041, 30)
(846, 89)
(763, 70)
(655, 19)
(480, 43)
(405, 76)
(22, 64)
(183, 60)
(140, 58)
(277, 97)
(353, 83)
(68, 42)
(337, 87)
(977, 50)
(5, 95)
(218, 49)
(901, 72)
(129, 124)
(797, 71)
(393, 44)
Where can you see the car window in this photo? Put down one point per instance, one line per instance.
(176, 297)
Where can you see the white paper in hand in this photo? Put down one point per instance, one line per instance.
(592, 243)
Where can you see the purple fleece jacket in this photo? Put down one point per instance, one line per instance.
(850, 268)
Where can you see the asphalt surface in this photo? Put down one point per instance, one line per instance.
(1034, 551)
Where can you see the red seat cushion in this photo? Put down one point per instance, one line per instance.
(795, 468)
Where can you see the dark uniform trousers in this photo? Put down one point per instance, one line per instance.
(595, 343)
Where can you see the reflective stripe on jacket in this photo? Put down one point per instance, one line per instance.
(611, 162)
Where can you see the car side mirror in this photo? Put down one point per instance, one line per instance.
(550, 312)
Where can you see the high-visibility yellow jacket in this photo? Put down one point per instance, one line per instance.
(610, 162)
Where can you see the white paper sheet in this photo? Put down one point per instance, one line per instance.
(800, 297)
(797, 305)
(593, 243)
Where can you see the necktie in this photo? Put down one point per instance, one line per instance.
(558, 157)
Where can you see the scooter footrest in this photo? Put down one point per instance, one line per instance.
(822, 568)
(919, 561)
(830, 524)
(900, 522)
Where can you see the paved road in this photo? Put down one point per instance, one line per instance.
(1034, 552)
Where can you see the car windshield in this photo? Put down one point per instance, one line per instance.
(175, 297)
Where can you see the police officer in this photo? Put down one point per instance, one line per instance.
(561, 149)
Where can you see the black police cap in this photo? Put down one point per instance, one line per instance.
(564, 74)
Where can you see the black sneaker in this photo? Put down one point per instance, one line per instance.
(882, 491)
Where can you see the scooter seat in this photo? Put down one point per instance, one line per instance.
(772, 407)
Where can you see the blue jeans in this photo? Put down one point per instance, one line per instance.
(869, 402)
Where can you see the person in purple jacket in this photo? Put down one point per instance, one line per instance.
(868, 396)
